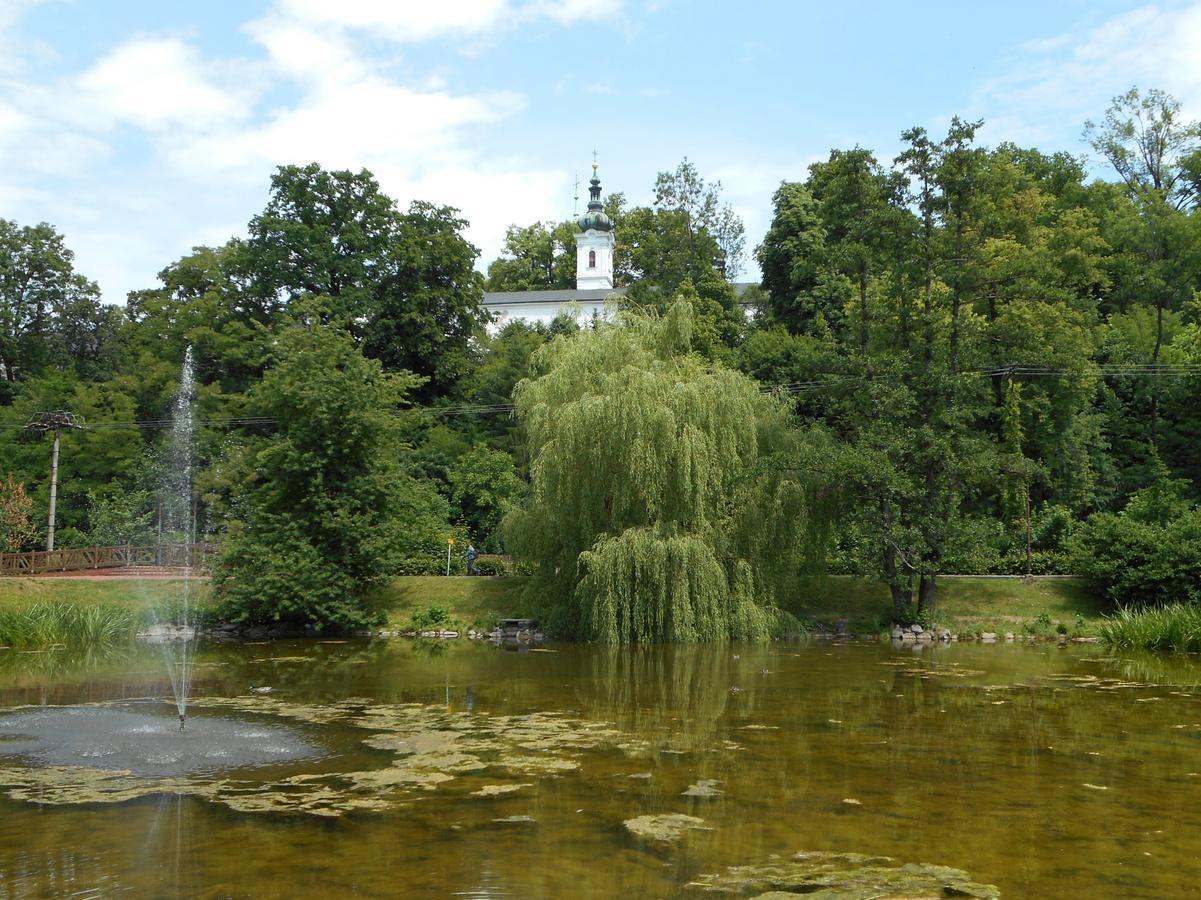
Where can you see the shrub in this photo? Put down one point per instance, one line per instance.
(1136, 563)
(1040, 625)
(491, 565)
(17, 530)
(421, 565)
(425, 618)
(788, 627)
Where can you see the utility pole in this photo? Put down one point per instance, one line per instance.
(54, 421)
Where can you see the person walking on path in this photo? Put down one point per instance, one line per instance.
(471, 555)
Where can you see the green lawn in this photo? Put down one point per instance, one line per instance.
(128, 593)
(476, 601)
(964, 602)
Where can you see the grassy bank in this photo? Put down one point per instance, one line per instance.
(965, 604)
(476, 601)
(43, 612)
(127, 593)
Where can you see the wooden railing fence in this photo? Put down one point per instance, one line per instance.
(40, 562)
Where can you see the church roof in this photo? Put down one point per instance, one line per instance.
(517, 298)
(595, 219)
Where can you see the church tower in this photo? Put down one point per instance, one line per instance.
(594, 246)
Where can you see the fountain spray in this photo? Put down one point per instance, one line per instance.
(179, 522)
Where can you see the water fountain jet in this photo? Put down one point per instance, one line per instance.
(176, 627)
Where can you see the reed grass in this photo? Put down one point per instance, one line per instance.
(46, 624)
(1176, 627)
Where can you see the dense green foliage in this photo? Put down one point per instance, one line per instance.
(994, 357)
(1149, 553)
(993, 340)
(536, 257)
(325, 506)
(655, 512)
(17, 530)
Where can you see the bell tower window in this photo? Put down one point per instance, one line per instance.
(594, 242)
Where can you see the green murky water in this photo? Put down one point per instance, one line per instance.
(461, 770)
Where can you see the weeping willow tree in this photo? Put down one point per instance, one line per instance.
(666, 504)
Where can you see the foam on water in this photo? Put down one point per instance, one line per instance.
(144, 743)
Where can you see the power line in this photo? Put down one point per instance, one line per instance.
(1133, 370)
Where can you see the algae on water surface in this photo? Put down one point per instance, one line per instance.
(846, 876)
(429, 747)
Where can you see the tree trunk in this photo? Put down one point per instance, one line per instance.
(1155, 377)
(902, 598)
(927, 591)
(1029, 553)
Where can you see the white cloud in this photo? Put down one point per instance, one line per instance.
(304, 52)
(13, 123)
(400, 20)
(568, 12)
(1072, 77)
(492, 197)
(156, 146)
(10, 47)
(158, 83)
(417, 20)
(352, 124)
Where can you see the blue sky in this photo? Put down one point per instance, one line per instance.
(143, 128)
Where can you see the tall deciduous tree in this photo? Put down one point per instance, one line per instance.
(1159, 159)
(855, 205)
(426, 312)
(207, 302)
(699, 202)
(50, 315)
(484, 486)
(403, 284)
(534, 257)
(326, 505)
(1150, 147)
(793, 259)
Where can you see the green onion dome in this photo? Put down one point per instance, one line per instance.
(595, 219)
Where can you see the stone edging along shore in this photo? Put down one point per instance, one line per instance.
(916, 634)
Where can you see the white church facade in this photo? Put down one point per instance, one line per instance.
(594, 247)
(594, 295)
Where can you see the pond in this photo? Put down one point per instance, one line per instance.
(428, 769)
